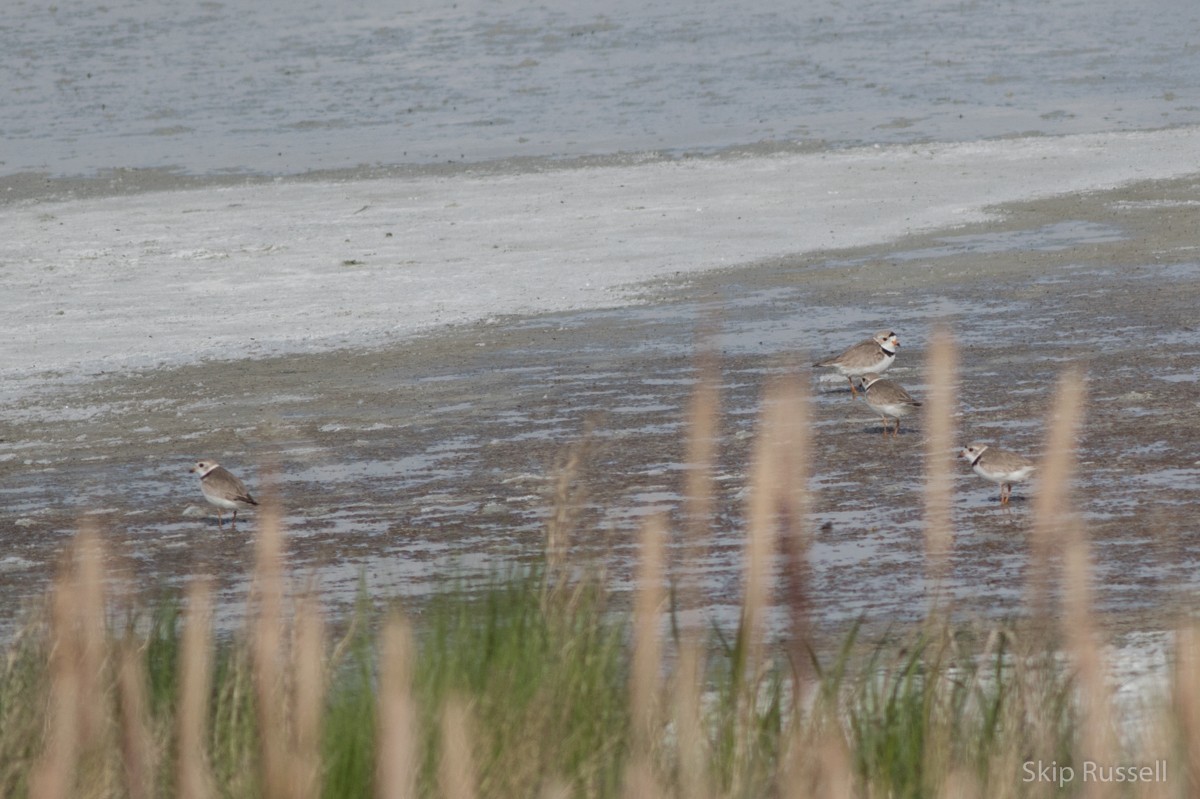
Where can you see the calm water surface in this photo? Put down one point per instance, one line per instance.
(282, 87)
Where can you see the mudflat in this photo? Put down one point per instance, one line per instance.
(401, 467)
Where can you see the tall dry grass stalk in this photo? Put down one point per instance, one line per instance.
(1050, 504)
(1048, 533)
(309, 680)
(692, 747)
(456, 770)
(818, 768)
(54, 771)
(762, 533)
(288, 671)
(1057, 523)
(396, 759)
(138, 751)
(77, 719)
(940, 435)
(640, 782)
(267, 649)
(645, 683)
(92, 629)
(686, 713)
(962, 784)
(777, 514)
(645, 680)
(193, 774)
(1186, 701)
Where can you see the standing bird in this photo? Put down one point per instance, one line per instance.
(873, 355)
(222, 489)
(888, 399)
(999, 466)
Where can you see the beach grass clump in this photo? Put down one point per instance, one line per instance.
(540, 682)
(542, 676)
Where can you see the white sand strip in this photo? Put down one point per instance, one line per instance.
(167, 278)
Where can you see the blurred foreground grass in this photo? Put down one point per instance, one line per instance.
(536, 685)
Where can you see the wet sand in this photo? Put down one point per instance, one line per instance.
(405, 465)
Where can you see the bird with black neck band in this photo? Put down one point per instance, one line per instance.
(222, 489)
(870, 356)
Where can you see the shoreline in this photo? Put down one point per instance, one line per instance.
(43, 186)
(157, 279)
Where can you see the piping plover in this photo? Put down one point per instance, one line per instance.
(873, 355)
(888, 399)
(999, 466)
(222, 489)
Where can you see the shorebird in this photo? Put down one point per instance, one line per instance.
(222, 489)
(873, 355)
(888, 399)
(999, 466)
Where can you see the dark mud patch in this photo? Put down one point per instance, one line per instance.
(406, 467)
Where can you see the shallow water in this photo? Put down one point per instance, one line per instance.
(283, 88)
(401, 467)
